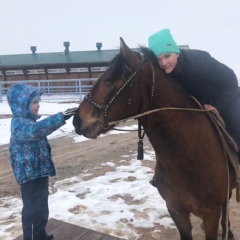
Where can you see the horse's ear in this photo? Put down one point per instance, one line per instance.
(128, 54)
(123, 47)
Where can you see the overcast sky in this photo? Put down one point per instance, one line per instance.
(211, 25)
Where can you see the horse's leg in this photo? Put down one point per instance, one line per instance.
(183, 224)
(211, 224)
(223, 221)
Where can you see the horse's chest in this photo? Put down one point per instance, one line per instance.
(178, 198)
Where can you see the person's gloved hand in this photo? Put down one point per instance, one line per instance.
(210, 107)
(69, 112)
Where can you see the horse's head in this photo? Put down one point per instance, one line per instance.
(116, 95)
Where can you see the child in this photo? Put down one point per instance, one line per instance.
(30, 156)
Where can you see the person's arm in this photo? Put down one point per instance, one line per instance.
(24, 129)
(222, 80)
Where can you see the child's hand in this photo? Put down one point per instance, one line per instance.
(69, 112)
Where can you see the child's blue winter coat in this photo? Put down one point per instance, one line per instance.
(30, 153)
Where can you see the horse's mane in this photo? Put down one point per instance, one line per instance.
(149, 56)
(118, 64)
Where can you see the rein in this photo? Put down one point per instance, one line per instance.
(150, 112)
(157, 110)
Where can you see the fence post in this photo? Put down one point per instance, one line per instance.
(0, 93)
(76, 86)
(48, 89)
(39, 85)
(80, 90)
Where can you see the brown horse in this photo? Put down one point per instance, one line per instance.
(190, 173)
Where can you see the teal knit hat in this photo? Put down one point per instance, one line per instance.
(162, 42)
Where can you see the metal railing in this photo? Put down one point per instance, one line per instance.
(54, 88)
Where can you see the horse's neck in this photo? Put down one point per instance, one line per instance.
(170, 93)
(162, 126)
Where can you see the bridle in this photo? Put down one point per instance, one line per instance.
(100, 108)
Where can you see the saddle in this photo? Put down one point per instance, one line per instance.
(229, 146)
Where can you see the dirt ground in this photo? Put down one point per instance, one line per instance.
(73, 158)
